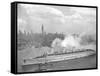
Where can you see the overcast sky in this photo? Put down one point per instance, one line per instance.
(56, 18)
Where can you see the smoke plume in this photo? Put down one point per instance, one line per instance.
(82, 41)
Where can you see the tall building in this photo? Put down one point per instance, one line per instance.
(42, 28)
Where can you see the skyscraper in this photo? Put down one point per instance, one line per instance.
(43, 31)
(42, 28)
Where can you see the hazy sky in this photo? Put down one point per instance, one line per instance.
(56, 18)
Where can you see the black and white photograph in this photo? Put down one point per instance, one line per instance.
(54, 37)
